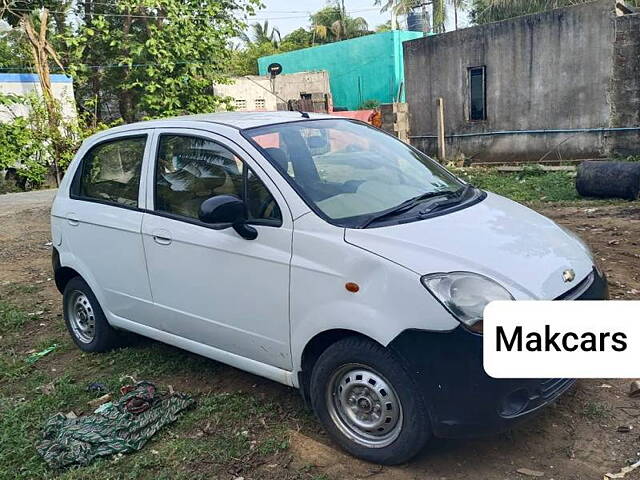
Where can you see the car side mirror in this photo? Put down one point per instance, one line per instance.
(227, 210)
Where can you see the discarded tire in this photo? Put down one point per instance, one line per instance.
(609, 179)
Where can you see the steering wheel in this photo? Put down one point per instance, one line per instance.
(264, 206)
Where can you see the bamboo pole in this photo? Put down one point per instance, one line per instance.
(41, 49)
(442, 153)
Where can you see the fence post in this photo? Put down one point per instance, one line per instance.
(442, 153)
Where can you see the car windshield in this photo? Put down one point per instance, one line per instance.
(349, 171)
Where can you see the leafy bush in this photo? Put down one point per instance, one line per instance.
(29, 144)
(369, 104)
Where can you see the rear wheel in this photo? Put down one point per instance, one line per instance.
(85, 319)
(368, 403)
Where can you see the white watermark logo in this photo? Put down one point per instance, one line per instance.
(562, 339)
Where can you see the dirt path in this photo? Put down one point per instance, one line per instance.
(574, 440)
(12, 203)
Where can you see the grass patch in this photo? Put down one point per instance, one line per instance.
(531, 185)
(596, 411)
(11, 318)
(226, 432)
(224, 429)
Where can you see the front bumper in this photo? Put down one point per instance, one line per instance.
(463, 400)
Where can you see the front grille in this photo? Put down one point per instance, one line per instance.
(552, 387)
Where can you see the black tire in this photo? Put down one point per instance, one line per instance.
(412, 430)
(104, 337)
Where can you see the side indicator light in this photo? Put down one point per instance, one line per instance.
(352, 287)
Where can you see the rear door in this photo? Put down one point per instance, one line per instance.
(209, 284)
(102, 219)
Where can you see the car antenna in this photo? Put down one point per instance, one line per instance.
(286, 102)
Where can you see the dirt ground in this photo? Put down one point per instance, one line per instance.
(577, 438)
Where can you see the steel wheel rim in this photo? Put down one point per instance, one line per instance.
(364, 406)
(81, 317)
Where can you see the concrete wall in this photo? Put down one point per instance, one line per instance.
(625, 86)
(26, 83)
(360, 69)
(254, 93)
(546, 71)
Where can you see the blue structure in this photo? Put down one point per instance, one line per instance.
(360, 69)
(31, 78)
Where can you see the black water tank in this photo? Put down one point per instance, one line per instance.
(416, 21)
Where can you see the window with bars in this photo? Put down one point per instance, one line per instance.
(241, 103)
(260, 104)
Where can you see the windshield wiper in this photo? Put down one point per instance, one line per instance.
(408, 205)
(455, 198)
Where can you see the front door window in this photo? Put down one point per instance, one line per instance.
(191, 170)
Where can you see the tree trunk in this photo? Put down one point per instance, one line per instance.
(455, 13)
(41, 49)
(606, 179)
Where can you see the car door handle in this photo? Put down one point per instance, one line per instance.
(162, 237)
(73, 220)
(162, 240)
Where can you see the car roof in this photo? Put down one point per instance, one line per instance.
(238, 120)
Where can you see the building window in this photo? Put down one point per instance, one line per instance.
(260, 104)
(477, 94)
(241, 103)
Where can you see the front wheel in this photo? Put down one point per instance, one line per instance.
(368, 403)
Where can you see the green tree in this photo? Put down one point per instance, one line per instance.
(332, 24)
(299, 38)
(153, 58)
(435, 20)
(262, 33)
(245, 61)
(12, 10)
(485, 11)
(14, 53)
(383, 27)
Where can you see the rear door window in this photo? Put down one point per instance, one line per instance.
(110, 172)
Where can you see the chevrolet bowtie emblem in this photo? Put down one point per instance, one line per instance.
(568, 275)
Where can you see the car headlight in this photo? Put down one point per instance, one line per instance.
(465, 295)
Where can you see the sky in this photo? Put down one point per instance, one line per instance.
(288, 15)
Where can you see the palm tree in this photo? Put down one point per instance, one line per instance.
(332, 24)
(439, 11)
(261, 33)
(485, 11)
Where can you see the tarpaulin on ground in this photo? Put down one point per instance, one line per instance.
(119, 427)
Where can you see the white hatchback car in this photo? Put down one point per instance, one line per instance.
(315, 251)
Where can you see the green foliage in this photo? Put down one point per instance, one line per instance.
(14, 53)
(159, 57)
(384, 27)
(485, 11)
(245, 62)
(29, 144)
(369, 104)
(262, 33)
(531, 185)
(299, 38)
(11, 318)
(330, 24)
(333, 24)
(437, 16)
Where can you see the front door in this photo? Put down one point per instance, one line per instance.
(209, 284)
